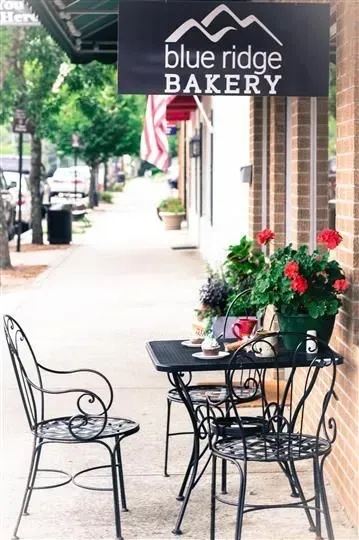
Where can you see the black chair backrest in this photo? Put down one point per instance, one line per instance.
(298, 405)
(26, 369)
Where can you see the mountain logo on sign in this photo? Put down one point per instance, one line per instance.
(242, 23)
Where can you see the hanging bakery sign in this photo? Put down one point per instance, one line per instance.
(231, 48)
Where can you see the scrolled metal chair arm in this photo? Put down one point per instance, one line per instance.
(79, 421)
(83, 370)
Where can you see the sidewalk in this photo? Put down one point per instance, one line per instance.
(120, 288)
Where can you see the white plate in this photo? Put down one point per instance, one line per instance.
(189, 343)
(221, 354)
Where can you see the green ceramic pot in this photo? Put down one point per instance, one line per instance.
(301, 324)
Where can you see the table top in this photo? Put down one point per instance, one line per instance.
(171, 357)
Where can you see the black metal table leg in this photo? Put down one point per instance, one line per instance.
(182, 390)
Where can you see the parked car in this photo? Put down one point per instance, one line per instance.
(9, 205)
(64, 180)
(12, 181)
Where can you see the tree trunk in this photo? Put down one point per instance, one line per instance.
(96, 193)
(35, 177)
(5, 261)
(92, 186)
(105, 181)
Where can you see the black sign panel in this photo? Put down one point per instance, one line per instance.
(233, 48)
(20, 122)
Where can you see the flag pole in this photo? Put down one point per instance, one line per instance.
(203, 113)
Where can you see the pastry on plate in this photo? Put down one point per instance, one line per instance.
(210, 346)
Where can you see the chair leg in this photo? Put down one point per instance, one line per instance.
(121, 478)
(241, 500)
(325, 505)
(169, 403)
(318, 521)
(301, 495)
(116, 501)
(224, 477)
(285, 468)
(27, 488)
(213, 499)
(33, 478)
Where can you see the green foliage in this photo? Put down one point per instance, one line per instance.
(29, 64)
(117, 188)
(272, 287)
(173, 145)
(172, 205)
(241, 266)
(107, 197)
(109, 125)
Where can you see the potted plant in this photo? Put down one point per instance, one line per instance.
(172, 213)
(213, 296)
(303, 287)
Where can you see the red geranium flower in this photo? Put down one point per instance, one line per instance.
(340, 285)
(265, 236)
(291, 270)
(299, 284)
(330, 237)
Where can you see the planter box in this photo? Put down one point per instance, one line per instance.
(172, 222)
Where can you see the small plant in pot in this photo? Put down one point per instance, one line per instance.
(304, 288)
(213, 296)
(172, 213)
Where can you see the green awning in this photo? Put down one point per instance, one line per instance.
(85, 29)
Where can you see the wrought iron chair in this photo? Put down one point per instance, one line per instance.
(199, 394)
(281, 434)
(89, 424)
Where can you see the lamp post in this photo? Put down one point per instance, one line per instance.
(75, 146)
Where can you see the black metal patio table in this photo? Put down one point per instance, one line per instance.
(173, 358)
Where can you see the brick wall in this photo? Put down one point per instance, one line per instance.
(343, 465)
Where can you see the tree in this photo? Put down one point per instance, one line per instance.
(29, 66)
(109, 125)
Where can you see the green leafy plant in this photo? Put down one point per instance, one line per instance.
(107, 197)
(298, 282)
(171, 205)
(241, 266)
(118, 188)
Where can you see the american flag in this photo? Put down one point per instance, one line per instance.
(154, 142)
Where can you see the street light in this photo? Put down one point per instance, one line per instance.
(195, 146)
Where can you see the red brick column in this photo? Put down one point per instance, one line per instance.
(276, 197)
(255, 194)
(344, 469)
(300, 170)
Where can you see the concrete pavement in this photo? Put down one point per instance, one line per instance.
(96, 308)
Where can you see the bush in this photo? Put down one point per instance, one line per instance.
(107, 197)
(118, 188)
(171, 205)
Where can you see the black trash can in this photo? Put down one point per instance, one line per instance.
(59, 224)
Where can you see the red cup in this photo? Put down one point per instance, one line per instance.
(244, 327)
